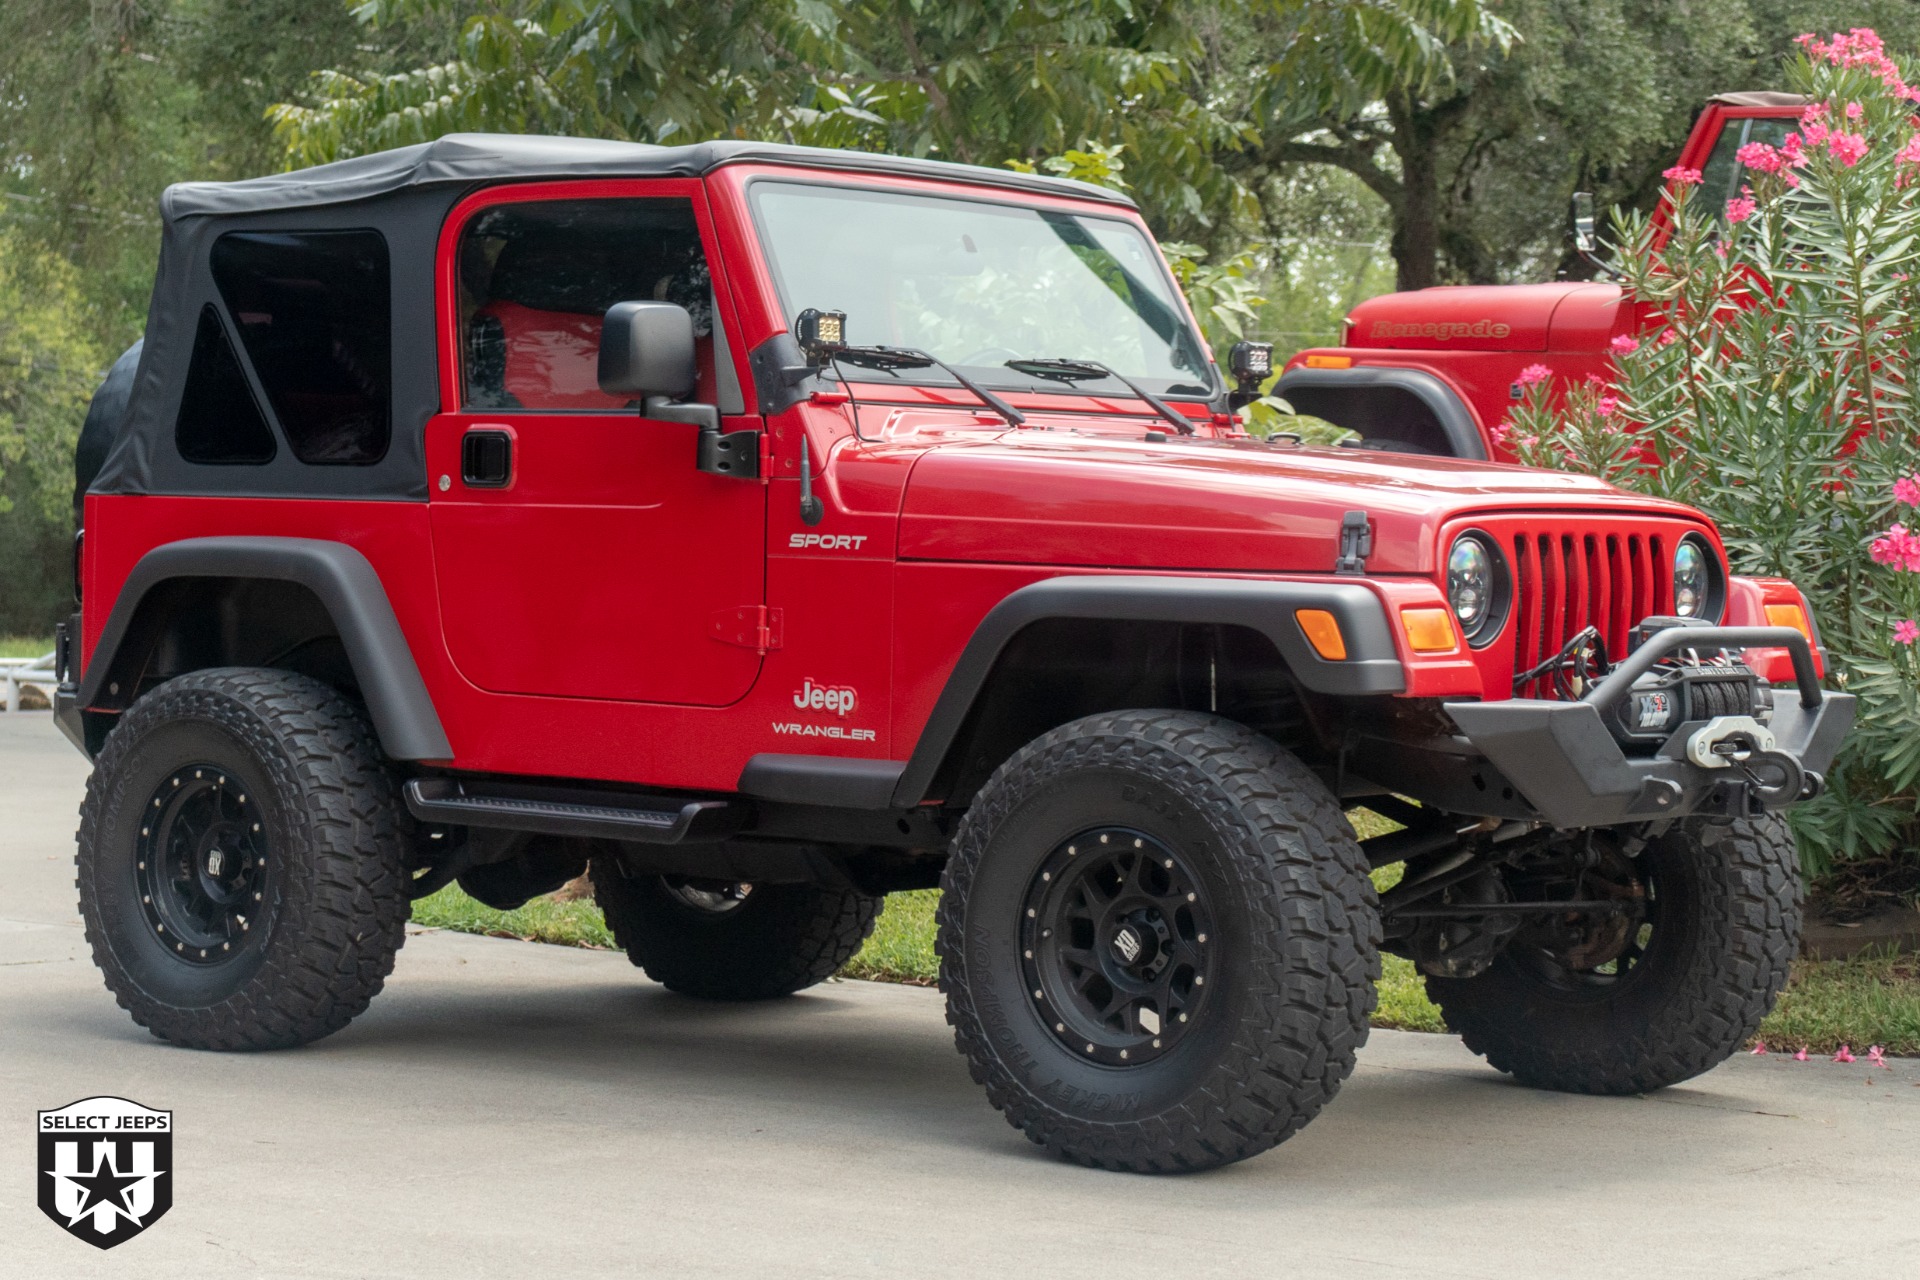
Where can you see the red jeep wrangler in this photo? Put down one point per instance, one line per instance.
(1436, 370)
(764, 530)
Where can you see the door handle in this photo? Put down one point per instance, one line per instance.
(486, 458)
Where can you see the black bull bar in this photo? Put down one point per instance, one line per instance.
(1564, 762)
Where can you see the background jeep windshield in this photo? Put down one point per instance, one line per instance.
(977, 283)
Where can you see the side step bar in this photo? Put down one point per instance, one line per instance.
(563, 811)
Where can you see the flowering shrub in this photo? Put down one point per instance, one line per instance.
(1769, 381)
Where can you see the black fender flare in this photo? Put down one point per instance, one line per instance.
(346, 586)
(1372, 665)
(1455, 419)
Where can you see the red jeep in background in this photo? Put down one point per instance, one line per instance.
(764, 530)
(1436, 370)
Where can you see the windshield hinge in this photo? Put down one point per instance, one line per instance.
(751, 626)
(1356, 543)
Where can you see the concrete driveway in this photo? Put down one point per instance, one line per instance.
(514, 1109)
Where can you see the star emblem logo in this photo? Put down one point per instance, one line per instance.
(105, 1168)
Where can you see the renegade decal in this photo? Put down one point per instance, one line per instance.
(1443, 330)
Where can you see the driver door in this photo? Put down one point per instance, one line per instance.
(578, 551)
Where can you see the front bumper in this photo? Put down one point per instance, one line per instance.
(1559, 761)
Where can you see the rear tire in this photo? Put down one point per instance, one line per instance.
(241, 861)
(716, 942)
(1158, 942)
(1724, 928)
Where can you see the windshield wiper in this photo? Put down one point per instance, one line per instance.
(890, 358)
(1063, 370)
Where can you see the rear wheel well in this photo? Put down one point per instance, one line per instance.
(191, 624)
(1058, 670)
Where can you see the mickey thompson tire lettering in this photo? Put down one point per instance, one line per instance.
(1719, 952)
(1288, 895)
(332, 905)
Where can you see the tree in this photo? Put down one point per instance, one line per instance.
(49, 365)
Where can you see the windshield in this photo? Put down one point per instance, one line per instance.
(976, 284)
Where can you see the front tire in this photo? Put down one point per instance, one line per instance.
(721, 941)
(1158, 942)
(1562, 1008)
(241, 861)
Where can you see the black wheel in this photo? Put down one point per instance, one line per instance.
(241, 861)
(1627, 1003)
(727, 941)
(1158, 942)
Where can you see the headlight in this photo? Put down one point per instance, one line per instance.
(1696, 580)
(1477, 588)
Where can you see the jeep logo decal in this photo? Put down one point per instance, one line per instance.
(813, 697)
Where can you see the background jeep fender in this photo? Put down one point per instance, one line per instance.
(344, 584)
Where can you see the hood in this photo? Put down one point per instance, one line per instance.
(1512, 317)
(1053, 497)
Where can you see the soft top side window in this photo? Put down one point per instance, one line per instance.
(536, 278)
(314, 310)
(219, 423)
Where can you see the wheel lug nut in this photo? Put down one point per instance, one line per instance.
(1029, 913)
(1037, 995)
(1183, 1017)
(1059, 1026)
(1199, 980)
(1046, 875)
(146, 897)
(1201, 938)
(1123, 1053)
(1089, 1048)
(1028, 954)
(1169, 864)
(1156, 1042)
(1192, 896)
(1103, 839)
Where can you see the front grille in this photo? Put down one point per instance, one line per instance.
(1570, 573)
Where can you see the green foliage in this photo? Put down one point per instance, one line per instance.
(1773, 387)
(49, 365)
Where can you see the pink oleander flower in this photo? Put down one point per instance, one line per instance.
(1760, 158)
(1534, 373)
(1855, 111)
(1906, 491)
(1502, 433)
(1740, 208)
(1607, 405)
(1878, 1058)
(1668, 337)
(1910, 154)
(1800, 1056)
(1906, 631)
(1898, 548)
(1682, 177)
(1759, 1048)
(1845, 1055)
(1847, 148)
(1625, 345)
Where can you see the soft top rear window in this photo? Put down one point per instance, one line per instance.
(314, 311)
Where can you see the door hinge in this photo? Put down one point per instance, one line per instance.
(1356, 543)
(751, 626)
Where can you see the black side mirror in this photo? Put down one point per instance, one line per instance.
(646, 350)
(1585, 238)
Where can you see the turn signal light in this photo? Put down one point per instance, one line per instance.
(1790, 615)
(1329, 362)
(1323, 633)
(1429, 630)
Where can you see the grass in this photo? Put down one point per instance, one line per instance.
(1868, 1000)
(25, 646)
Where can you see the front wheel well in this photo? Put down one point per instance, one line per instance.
(1057, 670)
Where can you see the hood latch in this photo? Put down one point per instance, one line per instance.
(1356, 544)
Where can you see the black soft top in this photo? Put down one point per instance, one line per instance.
(463, 159)
(405, 195)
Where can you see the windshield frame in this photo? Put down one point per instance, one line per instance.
(998, 378)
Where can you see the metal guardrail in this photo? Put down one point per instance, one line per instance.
(21, 673)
